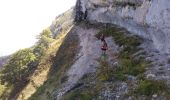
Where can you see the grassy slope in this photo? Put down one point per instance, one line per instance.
(41, 73)
(61, 62)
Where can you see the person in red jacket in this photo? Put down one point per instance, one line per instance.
(104, 47)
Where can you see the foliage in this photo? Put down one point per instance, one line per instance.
(132, 67)
(17, 66)
(77, 95)
(61, 62)
(104, 72)
(87, 90)
(44, 39)
(2, 88)
(22, 64)
(128, 64)
(150, 87)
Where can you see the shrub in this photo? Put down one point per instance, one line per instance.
(104, 72)
(150, 87)
(77, 95)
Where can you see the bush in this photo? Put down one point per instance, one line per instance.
(2, 88)
(77, 95)
(18, 67)
(150, 87)
(104, 72)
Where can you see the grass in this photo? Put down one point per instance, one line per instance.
(86, 92)
(132, 67)
(104, 72)
(77, 95)
(128, 64)
(150, 87)
(61, 62)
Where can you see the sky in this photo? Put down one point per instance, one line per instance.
(22, 20)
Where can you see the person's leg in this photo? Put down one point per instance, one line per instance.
(102, 55)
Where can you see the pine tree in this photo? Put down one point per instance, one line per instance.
(44, 39)
(17, 66)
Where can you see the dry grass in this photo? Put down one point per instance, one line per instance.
(63, 59)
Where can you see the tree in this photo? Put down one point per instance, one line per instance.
(44, 39)
(17, 66)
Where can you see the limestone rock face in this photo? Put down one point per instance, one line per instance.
(62, 22)
(147, 18)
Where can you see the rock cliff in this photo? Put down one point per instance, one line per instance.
(147, 18)
(136, 65)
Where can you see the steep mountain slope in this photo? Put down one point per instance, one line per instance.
(75, 68)
(87, 57)
(131, 68)
(80, 71)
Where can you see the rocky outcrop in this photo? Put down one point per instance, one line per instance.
(147, 18)
(3, 60)
(62, 22)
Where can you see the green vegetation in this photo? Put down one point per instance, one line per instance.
(16, 73)
(131, 67)
(77, 95)
(150, 87)
(128, 64)
(18, 66)
(44, 68)
(2, 88)
(63, 59)
(86, 91)
(104, 72)
(44, 39)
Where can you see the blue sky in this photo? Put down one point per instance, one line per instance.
(22, 20)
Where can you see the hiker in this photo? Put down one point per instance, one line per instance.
(104, 47)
